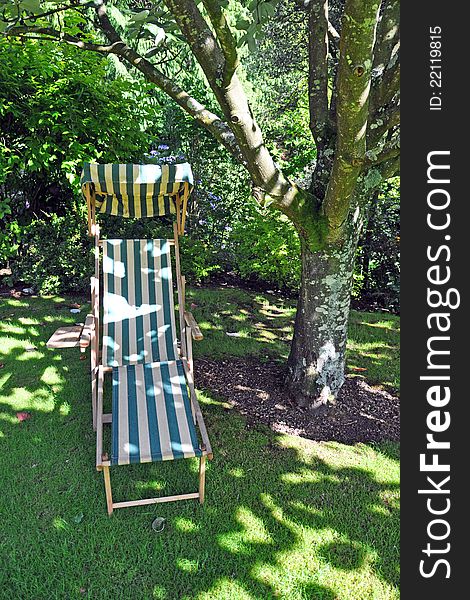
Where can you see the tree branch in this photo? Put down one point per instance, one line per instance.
(51, 34)
(318, 70)
(388, 169)
(381, 122)
(53, 11)
(359, 24)
(200, 38)
(266, 176)
(385, 88)
(388, 34)
(209, 120)
(225, 37)
(332, 33)
(377, 156)
(386, 80)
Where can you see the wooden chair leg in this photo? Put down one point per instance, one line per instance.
(202, 478)
(93, 399)
(107, 486)
(99, 418)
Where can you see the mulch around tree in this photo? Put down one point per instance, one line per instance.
(362, 413)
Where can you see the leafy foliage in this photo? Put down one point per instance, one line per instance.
(59, 108)
(265, 248)
(56, 255)
(378, 257)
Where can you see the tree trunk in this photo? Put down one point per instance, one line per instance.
(317, 357)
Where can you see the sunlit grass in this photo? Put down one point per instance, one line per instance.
(284, 518)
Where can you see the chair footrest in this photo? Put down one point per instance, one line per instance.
(152, 418)
(155, 500)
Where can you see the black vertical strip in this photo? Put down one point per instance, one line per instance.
(116, 189)
(434, 126)
(166, 203)
(130, 189)
(171, 179)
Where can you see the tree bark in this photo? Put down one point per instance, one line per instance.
(318, 352)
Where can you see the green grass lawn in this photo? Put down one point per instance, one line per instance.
(284, 517)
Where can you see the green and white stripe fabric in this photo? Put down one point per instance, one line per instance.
(138, 190)
(138, 309)
(152, 417)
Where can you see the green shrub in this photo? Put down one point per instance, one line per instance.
(135, 229)
(265, 247)
(198, 260)
(56, 255)
(53, 117)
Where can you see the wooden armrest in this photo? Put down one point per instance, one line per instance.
(89, 327)
(191, 323)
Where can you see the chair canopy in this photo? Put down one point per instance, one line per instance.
(137, 191)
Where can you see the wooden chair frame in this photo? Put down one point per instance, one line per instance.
(90, 336)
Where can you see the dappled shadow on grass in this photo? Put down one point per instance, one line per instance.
(261, 325)
(31, 372)
(284, 517)
(374, 349)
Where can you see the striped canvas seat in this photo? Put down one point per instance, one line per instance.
(152, 417)
(138, 310)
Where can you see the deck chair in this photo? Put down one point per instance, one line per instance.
(131, 330)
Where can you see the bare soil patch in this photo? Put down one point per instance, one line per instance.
(362, 413)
